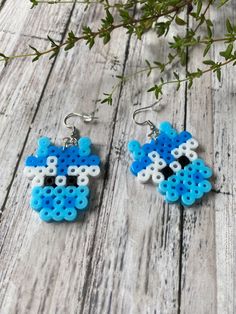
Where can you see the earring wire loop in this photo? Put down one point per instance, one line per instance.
(73, 138)
(154, 131)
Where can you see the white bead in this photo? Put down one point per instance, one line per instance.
(152, 168)
(176, 152)
(82, 180)
(51, 171)
(157, 177)
(184, 148)
(144, 175)
(38, 181)
(60, 180)
(175, 166)
(191, 155)
(73, 170)
(29, 172)
(52, 160)
(94, 171)
(83, 170)
(160, 163)
(192, 143)
(40, 171)
(154, 156)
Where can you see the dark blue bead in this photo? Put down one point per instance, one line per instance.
(148, 148)
(197, 177)
(48, 202)
(163, 138)
(181, 189)
(136, 167)
(54, 151)
(61, 170)
(184, 136)
(31, 161)
(167, 157)
(70, 202)
(145, 161)
(93, 160)
(83, 161)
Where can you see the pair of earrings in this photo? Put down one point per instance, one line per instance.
(60, 174)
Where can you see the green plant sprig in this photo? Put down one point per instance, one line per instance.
(89, 36)
(159, 16)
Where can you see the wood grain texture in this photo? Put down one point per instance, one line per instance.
(131, 253)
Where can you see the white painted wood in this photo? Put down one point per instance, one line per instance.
(131, 253)
(41, 251)
(135, 265)
(208, 275)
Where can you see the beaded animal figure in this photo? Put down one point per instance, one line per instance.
(170, 160)
(60, 178)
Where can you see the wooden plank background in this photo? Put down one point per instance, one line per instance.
(131, 253)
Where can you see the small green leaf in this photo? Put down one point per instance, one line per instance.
(206, 50)
(209, 62)
(199, 7)
(107, 99)
(34, 3)
(229, 26)
(218, 74)
(179, 21)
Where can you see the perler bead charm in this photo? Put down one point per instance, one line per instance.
(173, 165)
(60, 178)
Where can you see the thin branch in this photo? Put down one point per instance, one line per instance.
(99, 32)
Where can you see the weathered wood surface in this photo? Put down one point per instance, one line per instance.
(131, 253)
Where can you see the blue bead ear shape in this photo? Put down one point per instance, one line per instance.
(170, 161)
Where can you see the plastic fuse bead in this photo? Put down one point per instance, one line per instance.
(60, 179)
(172, 164)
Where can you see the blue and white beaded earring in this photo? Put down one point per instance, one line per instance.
(60, 175)
(170, 161)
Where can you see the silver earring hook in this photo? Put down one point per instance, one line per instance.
(86, 117)
(73, 138)
(154, 131)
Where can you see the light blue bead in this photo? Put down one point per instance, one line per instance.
(133, 146)
(71, 191)
(48, 191)
(70, 214)
(164, 186)
(190, 168)
(83, 191)
(206, 172)
(188, 199)
(58, 202)
(197, 192)
(189, 183)
(57, 214)
(174, 180)
(81, 203)
(172, 196)
(60, 191)
(45, 215)
(42, 152)
(205, 186)
(198, 163)
(37, 191)
(36, 203)
(182, 175)
(85, 151)
(44, 142)
(84, 142)
(165, 126)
